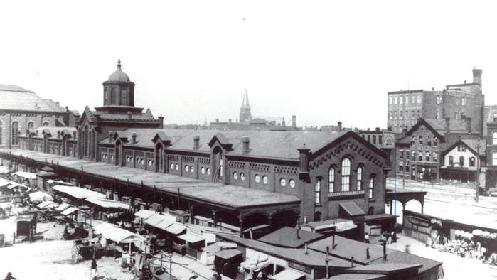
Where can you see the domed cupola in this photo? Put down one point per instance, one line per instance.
(118, 89)
(118, 75)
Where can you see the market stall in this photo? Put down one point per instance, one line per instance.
(193, 243)
(226, 262)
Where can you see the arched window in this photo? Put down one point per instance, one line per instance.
(317, 192)
(30, 125)
(15, 129)
(331, 180)
(371, 186)
(359, 178)
(461, 161)
(451, 160)
(45, 123)
(345, 175)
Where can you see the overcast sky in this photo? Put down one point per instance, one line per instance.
(325, 61)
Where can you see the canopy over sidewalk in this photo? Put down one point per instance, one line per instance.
(78, 193)
(117, 234)
(108, 204)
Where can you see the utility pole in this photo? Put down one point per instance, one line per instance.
(477, 185)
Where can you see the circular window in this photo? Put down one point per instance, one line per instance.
(202, 170)
(282, 182)
(292, 183)
(264, 179)
(257, 178)
(242, 176)
(187, 168)
(208, 171)
(235, 175)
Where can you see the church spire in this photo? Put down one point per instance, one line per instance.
(245, 102)
(245, 115)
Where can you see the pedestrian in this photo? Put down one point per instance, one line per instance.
(93, 269)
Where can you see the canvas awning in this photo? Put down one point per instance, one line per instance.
(160, 221)
(107, 203)
(4, 182)
(63, 207)
(288, 274)
(352, 208)
(69, 211)
(77, 192)
(191, 238)
(144, 214)
(26, 175)
(39, 196)
(175, 228)
(46, 204)
(117, 234)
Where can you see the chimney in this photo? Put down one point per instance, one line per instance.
(368, 255)
(196, 142)
(111, 136)
(217, 120)
(298, 233)
(229, 120)
(464, 81)
(477, 76)
(304, 154)
(133, 138)
(432, 89)
(130, 115)
(245, 145)
(161, 120)
(294, 121)
(339, 126)
(377, 129)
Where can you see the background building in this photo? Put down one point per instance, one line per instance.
(457, 102)
(22, 109)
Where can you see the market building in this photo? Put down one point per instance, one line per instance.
(23, 109)
(329, 175)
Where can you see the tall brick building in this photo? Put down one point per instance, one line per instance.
(458, 101)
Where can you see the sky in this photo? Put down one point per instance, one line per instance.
(191, 61)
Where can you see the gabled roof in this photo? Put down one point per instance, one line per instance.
(439, 127)
(281, 145)
(471, 144)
